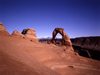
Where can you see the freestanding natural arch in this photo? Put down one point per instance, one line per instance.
(65, 38)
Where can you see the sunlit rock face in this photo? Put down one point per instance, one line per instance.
(30, 33)
(16, 33)
(2, 27)
(65, 38)
(3, 30)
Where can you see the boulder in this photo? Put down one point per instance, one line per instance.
(16, 33)
(65, 38)
(31, 34)
(3, 30)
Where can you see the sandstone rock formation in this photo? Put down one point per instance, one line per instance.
(3, 30)
(16, 33)
(30, 33)
(65, 39)
(2, 27)
(22, 57)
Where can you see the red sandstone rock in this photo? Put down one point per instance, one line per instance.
(2, 27)
(21, 57)
(65, 38)
(16, 33)
(30, 33)
(3, 30)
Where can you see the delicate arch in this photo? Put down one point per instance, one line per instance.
(65, 39)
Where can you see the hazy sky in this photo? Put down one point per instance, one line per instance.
(78, 17)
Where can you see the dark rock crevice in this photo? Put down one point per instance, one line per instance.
(86, 52)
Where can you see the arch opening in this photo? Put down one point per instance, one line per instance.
(58, 39)
(58, 36)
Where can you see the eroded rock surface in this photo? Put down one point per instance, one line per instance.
(30, 33)
(2, 27)
(65, 38)
(22, 57)
(16, 33)
(3, 30)
(30, 58)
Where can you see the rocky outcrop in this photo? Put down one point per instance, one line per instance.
(27, 34)
(3, 30)
(16, 33)
(65, 38)
(30, 33)
(88, 41)
(2, 27)
(87, 46)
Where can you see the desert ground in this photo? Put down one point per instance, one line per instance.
(23, 56)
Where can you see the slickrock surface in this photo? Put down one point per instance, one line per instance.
(14, 60)
(22, 57)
